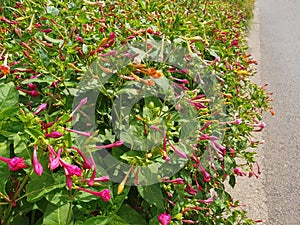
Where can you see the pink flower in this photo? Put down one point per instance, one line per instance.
(239, 172)
(54, 134)
(88, 163)
(53, 163)
(37, 166)
(104, 194)
(69, 182)
(207, 201)
(82, 102)
(85, 134)
(238, 121)
(32, 86)
(98, 179)
(15, 163)
(33, 93)
(180, 153)
(164, 218)
(116, 144)
(70, 169)
(40, 108)
(175, 181)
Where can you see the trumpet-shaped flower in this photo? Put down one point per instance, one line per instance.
(164, 218)
(15, 163)
(104, 194)
(37, 166)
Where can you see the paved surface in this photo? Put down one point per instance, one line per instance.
(275, 43)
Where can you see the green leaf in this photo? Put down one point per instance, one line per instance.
(232, 180)
(20, 219)
(153, 195)
(99, 220)
(10, 128)
(131, 216)
(56, 215)
(9, 98)
(4, 171)
(20, 146)
(39, 186)
(118, 221)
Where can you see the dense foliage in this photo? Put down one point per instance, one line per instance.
(91, 132)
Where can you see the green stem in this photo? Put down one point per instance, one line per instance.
(8, 210)
(69, 213)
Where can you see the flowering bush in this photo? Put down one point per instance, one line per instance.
(125, 112)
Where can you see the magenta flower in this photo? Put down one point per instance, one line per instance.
(40, 108)
(54, 134)
(180, 153)
(82, 102)
(238, 121)
(207, 201)
(88, 163)
(15, 163)
(32, 86)
(239, 172)
(164, 218)
(33, 93)
(82, 133)
(175, 181)
(113, 145)
(37, 166)
(70, 169)
(206, 175)
(97, 179)
(69, 182)
(104, 194)
(53, 162)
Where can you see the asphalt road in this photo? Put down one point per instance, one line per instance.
(280, 67)
(275, 42)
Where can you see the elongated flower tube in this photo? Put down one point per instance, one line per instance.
(116, 144)
(82, 133)
(82, 102)
(239, 172)
(54, 134)
(164, 218)
(104, 194)
(207, 201)
(180, 153)
(40, 108)
(15, 163)
(70, 169)
(33, 93)
(175, 181)
(37, 166)
(53, 162)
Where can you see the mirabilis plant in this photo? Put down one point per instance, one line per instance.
(125, 112)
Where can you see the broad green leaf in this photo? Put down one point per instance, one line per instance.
(9, 98)
(39, 186)
(118, 221)
(131, 216)
(10, 128)
(20, 146)
(20, 219)
(4, 171)
(232, 180)
(153, 195)
(99, 220)
(56, 215)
